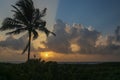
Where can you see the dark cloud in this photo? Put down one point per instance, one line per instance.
(112, 43)
(80, 39)
(15, 44)
(117, 33)
(11, 48)
(60, 43)
(112, 46)
(84, 38)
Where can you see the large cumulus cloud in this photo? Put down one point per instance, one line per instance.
(79, 39)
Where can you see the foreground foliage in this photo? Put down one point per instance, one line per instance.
(35, 70)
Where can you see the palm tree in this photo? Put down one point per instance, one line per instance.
(26, 18)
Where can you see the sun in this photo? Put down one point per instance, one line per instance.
(46, 55)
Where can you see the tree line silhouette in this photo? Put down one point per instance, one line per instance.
(41, 70)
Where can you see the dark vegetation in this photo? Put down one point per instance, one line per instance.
(40, 70)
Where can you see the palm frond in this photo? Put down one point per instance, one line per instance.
(25, 48)
(53, 33)
(22, 4)
(35, 34)
(43, 12)
(19, 15)
(17, 31)
(36, 15)
(9, 26)
(10, 23)
(42, 24)
(45, 30)
(42, 28)
(39, 24)
(14, 21)
(27, 8)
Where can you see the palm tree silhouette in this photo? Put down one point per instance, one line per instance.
(26, 18)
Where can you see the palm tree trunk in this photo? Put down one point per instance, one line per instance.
(29, 46)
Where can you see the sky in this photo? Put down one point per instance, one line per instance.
(97, 13)
(87, 30)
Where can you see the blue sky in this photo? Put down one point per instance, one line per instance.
(103, 15)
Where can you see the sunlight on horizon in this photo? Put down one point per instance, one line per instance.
(46, 55)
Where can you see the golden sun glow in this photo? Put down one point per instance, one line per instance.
(46, 55)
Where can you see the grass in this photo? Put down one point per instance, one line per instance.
(40, 70)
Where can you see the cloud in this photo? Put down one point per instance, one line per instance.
(117, 33)
(59, 43)
(109, 44)
(72, 39)
(12, 47)
(7, 54)
(79, 39)
(13, 43)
